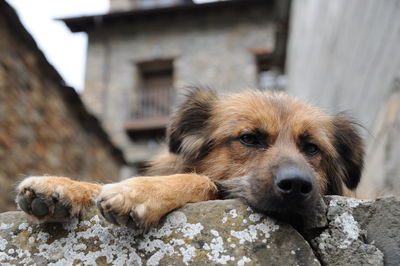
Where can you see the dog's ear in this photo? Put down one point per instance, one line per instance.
(187, 131)
(350, 148)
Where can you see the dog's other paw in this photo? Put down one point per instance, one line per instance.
(141, 202)
(54, 199)
(128, 205)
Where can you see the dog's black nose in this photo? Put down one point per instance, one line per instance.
(293, 184)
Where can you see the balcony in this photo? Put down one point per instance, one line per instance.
(150, 112)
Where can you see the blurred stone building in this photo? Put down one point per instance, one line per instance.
(44, 127)
(344, 55)
(143, 53)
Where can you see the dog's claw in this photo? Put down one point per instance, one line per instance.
(100, 208)
(61, 211)
(135, 221)
(130, 219)
(110, 217)
(121, 219)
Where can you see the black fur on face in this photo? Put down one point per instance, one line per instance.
(347, 167)
(187, 132)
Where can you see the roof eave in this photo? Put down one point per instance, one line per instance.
(87, 23)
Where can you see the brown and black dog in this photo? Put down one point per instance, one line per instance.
(276, 153)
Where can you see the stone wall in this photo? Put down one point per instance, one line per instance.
(213, 49)
(344, 56)
(44, 127)
(347, 232)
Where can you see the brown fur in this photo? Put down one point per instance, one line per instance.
(206, 150)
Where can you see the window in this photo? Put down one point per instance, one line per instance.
(155, 88)
(153, 95)
(269, 75)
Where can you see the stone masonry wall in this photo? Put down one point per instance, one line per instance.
(44, 128)
(215, 50)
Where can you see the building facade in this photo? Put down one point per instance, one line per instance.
(344, 56)
(44, 127)
(139, 60)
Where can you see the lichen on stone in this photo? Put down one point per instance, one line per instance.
(191, 235)
(243, 261)
(4, 226)
(342, 242)
(251, 233)
(348, 202)
(350, 229)
(3, 244)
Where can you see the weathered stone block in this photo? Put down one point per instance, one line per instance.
(343, 241)
(351, 232)
(214, 232)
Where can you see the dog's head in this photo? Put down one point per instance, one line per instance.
(277, 153)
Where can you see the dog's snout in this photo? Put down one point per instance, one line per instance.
(293, 184)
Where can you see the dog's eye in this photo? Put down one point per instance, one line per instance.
(249, 139)
(310, 149)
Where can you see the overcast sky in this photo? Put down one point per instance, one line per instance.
(66, 51)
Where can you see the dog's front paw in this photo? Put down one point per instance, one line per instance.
(140, 202)
(49, 198)
(127, 205)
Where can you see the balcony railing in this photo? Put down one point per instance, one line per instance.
(150, 109)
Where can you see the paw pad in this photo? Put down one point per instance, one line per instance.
(42, 206)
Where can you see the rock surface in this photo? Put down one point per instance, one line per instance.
(343, 241)
(380, 220)
(215, 232)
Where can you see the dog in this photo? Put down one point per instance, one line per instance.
(274, 152)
